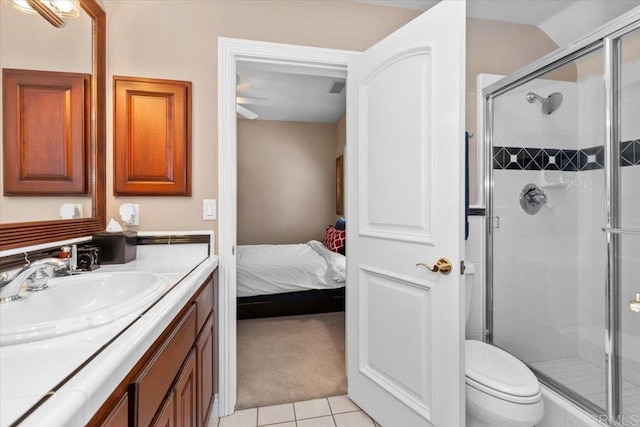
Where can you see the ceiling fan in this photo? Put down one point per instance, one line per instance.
(245, 112)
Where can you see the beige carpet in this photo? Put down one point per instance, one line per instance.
(289, 359)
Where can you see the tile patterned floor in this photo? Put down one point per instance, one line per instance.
(337, 411)
(588, 380)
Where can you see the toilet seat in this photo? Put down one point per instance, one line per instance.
(498, 373)
(523, 400)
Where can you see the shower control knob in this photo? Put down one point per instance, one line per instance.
(532, 198)
(634, 304)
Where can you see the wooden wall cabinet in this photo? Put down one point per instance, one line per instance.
(173, 384)
(152, 137)
(46, 132)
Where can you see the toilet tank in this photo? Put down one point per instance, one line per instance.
(469, 276)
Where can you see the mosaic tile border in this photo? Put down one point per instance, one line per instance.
(564, 160)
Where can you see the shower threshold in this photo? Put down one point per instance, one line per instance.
(588, 381)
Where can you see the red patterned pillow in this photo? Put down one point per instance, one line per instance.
(334, 239)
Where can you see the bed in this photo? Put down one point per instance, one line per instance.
(284, 280)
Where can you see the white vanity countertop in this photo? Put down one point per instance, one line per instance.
(30, 371)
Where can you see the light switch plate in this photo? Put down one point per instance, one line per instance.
(209, 209)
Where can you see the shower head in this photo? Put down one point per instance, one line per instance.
(549, 104)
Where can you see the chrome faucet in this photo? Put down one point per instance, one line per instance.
(32, 272)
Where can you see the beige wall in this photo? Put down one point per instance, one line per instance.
(285, 181)
(177, 39)
(592, 65)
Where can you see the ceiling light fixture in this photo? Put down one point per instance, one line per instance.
(54, 11)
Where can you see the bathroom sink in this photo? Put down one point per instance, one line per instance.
(76, 303)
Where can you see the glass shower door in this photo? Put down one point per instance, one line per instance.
(549, 259)
(629, 256)
(563, 240)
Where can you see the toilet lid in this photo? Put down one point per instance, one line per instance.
(496, 369)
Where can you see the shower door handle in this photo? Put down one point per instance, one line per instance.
(634, 304)
(443, 265)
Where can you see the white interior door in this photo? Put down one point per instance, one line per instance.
(405, 127)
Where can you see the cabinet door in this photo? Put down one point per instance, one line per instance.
(152, 137)
(119, 417)
(167, 415)
(204, 303)
(157, 378)
(46, 122)
(205, 348)
(185, 392)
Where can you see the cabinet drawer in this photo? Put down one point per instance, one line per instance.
(152, 385)
(204, 304)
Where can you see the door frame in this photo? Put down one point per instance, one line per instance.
(300, 59)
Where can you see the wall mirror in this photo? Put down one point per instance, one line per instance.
(30, 42)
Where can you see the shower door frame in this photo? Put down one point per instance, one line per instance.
(607, 38)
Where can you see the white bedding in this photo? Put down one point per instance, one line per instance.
(275, 269)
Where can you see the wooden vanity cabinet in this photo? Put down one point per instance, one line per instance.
(186, 394)
(179, 408)
(119, 416)
(148, 390)
(167, 414)
(205, 350)
(173, 384)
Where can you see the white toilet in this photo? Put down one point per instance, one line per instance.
(500, 390)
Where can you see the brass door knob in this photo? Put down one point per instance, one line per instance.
(634, 304)
(443, 266)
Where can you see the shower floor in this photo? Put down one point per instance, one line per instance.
(589, 381)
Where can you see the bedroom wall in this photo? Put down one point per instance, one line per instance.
(286, 181)
(177, 39)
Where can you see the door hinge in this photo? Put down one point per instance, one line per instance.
(462, 267)
(233, 250)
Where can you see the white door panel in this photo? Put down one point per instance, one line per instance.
(405, 127)
(398, 91)
(389, 302)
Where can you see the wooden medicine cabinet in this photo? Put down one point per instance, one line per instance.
(46, 132)
(152, 137)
